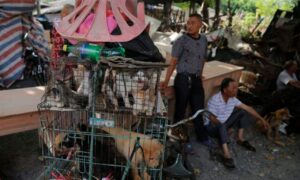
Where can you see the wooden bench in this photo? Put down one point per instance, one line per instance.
(18, 109)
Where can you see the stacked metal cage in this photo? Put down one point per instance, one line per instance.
(104, 121)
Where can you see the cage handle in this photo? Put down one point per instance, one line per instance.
(195, 115)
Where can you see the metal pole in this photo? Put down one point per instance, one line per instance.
(38, 7)
(94, 80)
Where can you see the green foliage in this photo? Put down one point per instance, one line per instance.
(261, 7)
(243, 23)
(249, 20)
(239, 5)
(247, 12)
(211, 3)
(269, 7)
(182, 5)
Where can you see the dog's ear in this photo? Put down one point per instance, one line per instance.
(284, 112)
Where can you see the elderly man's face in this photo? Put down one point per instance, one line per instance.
(232, 89)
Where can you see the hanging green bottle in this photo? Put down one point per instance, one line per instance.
(85, 51)
(115, 51)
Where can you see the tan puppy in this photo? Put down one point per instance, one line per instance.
(274, 119)
(125, 142)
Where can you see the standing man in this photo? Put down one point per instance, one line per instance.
(188, 57)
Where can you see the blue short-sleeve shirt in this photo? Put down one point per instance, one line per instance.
(190, 54)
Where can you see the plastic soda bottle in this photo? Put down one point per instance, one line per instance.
(85, 51)
(115, 51)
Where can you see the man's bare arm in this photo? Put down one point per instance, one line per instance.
(201, 73)
(170, 71)
(253, 113)
(295, 83)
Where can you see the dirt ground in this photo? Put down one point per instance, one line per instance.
(267, 163)
(19, 159)
(19, 156)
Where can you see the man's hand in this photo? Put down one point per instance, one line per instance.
(295, 83)
(214, 120)
(265, 124)
(163, 85)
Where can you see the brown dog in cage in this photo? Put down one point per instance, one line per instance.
(275, 119)
(125, 142)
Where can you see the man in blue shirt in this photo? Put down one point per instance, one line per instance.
(188, 57)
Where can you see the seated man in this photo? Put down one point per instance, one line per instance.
(288, 87)
(229, 112)
(288, 76)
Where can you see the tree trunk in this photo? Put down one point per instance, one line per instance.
(217, 18)
(192, 7)
(166, 15)
(229, 13)
(167, 8)
(205, 13)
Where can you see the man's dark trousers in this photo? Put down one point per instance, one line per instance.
(189, 89)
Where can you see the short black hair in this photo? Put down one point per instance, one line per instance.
(225, 83)
(196, 15)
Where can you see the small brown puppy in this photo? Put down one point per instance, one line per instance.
(125, 141)
(274, 119)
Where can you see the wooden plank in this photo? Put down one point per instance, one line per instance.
(214, 69)
(20, 101)
(19, 123)
(214, 72)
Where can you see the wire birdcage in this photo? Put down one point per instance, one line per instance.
(118, 131)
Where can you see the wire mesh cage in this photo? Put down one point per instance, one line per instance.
(65, 135)
(119, 133)
(68, 85)
(115, 150)
(134, 90)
